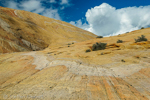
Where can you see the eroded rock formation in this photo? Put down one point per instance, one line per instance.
(29, 31)
(68, 72)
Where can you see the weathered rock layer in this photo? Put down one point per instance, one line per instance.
(26, 31)
(68, 72)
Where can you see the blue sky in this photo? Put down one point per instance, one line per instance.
(102, 17)
(80, 7)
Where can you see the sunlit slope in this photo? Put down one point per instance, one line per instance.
(24, 31)
(120, 72)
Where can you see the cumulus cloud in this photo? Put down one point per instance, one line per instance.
(52, 13)
(64, 2)
(79, 23)
(32, 5)
(12, 4)
(35, 6)
(38, 6)
(52, 1)
(107, 20)
(28, 5)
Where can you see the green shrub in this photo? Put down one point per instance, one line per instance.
(142, 38)
(142, 27)
(99, 46)
(119, 41)
(88, 50)
(123, 60)
(99, 37)
(21, 37)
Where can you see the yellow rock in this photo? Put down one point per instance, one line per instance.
(25, 31)
(60, 72)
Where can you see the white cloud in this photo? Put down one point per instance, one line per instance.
(12, 4)
(27, 5)
(52, 1)
(52, 13)
(31, 5)
(36, 7)
(39, 10)
(64, 2)
(107, 20)
(78, 23)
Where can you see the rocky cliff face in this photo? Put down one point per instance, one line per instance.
(26, 31)
(62, 72)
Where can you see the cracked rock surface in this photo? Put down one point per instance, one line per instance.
(68, 72)
(64, 73)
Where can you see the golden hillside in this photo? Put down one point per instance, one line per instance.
(68, 72)
(24, 31)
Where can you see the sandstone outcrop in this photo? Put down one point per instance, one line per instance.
(62, 72)
(26, 31)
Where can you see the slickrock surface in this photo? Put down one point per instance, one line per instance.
(26, 31)
(120, 72)
(67, 72)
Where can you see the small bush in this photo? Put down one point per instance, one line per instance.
(142, 38)
(119, 41)
(99, 37)
(18, 29)
(102, 53)
(142, 27)
(88, 50)
(72, 42)
(123, 60)
(21, 37)
(99, 46)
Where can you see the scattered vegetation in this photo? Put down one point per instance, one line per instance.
(119, 41)
(88, 50)
(99, 46)
(144, 57)
(99, 37)
(123, 60)
(49, 52)
(72, 42)
(21, 37)
(142, 38)
(18, 29)
(137, 57)
(69, 43)
(142, 27)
